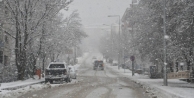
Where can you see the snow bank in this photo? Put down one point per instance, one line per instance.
(29, 88)
(175, 88)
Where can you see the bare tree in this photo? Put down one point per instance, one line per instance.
(26, 17)
(64, 34)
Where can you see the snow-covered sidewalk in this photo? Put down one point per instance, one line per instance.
(14, 89)
(19, 84)
(175, 89)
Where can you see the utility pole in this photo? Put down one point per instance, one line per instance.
(111, 41)
(75, 54)
(133, 50)
(165, 63)
(191, 48)
(119, 60)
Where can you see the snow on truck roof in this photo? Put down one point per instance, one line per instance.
(58, 63)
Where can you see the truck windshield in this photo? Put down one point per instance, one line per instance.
(57, 66)
(98, 62)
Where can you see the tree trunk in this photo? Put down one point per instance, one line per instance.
(189, 60)
(20, 73)
(17, 49)
(52, 57)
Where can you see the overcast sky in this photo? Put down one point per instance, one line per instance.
(95, 12)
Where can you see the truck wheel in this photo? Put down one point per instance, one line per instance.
(51, 81)
(46, 80)
(70, 79)
(66, 79)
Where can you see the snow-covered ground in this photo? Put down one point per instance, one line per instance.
(19, 91)
(17, 88)
(175, 88)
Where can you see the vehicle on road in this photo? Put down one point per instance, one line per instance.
(110, 61)
(57, 71)
(73, 72)
(98, 64)
(154, 73)
(115, 64)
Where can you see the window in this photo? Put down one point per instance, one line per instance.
(57, 66)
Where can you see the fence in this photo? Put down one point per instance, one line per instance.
(179, 75)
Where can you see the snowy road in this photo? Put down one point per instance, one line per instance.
(92, 84)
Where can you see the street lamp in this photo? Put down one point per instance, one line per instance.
(133, 50)
(164, 39)
(119, 39)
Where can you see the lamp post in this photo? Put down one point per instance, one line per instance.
(164, 21)
(133, 50)
(75, 54)
(119, 39)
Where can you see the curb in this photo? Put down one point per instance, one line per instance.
(21, 86)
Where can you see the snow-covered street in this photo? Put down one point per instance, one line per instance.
(92, 84)
(108, 83)
(96, 48)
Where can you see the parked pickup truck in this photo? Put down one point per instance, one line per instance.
(57, 71)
